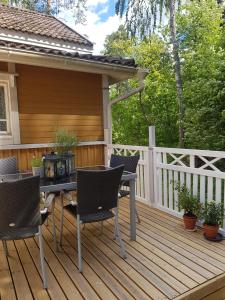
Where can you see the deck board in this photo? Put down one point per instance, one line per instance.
(166, 262)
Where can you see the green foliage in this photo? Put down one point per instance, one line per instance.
(186, 201)
(36, 162)
(64, 141)
(213, 213)
(201, 37)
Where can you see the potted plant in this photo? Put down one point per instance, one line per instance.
(191, 206)
(64, 142)
(37, 167)
(212, 214)
(60, 163)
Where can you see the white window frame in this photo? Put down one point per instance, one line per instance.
(6, 98)
(12, 136)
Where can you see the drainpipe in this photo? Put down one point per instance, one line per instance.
(142, 73)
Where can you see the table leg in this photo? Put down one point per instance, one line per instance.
(132, 210)
(53, 225)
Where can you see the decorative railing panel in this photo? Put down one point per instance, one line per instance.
(203, 172)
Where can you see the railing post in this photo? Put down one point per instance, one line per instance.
(152, 144)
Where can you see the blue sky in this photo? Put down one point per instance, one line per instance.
(101, 21)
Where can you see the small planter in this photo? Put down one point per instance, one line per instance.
(211, 231)
(189, 222)
(38, 171)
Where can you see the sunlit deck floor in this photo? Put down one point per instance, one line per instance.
(166, 262)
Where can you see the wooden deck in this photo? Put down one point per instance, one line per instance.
(166, 262)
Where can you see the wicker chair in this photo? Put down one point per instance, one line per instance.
(20, 215)
(130, 165)
(8, 165)
(97, 196)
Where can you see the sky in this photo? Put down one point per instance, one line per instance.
(101, 21)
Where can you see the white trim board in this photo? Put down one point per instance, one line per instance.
(36, 146)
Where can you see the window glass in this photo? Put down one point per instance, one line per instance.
(3, 117)
(3, 126)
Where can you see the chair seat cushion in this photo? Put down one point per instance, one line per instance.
(17, 234)
(22, 233)
(97, 217)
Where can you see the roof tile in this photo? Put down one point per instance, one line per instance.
(98, 58)
(13, 18)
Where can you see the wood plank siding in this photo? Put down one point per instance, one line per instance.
(52, 98)
(84, 156)
(166, 262)
(3, 66)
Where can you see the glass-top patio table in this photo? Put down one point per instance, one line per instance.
(69, 183)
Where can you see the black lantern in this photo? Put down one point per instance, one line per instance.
(58, 166)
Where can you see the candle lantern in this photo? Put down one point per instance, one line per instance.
(58, 166)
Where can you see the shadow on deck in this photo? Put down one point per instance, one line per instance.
(165, 262)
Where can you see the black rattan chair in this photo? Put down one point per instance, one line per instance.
(130, 165)
(20, 215)
(8, 165)
(97, 196)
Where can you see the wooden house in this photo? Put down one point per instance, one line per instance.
(50, 79)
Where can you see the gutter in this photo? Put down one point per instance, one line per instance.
(141, 75)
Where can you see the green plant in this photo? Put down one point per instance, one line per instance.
(213, 213)
(64, 141)
(36, 162)
(189, 203)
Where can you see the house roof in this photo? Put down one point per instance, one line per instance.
(41, 50)
(39, 24)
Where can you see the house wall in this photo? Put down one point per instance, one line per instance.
(84, 156)
(49, 99)
(3, 66)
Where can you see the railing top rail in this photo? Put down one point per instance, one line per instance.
(209, 153)
(130, 147)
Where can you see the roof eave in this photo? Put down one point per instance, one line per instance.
(116, 73)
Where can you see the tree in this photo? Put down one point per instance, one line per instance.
(202, 49)
(54, 7)
(156, 104)
(141, 20)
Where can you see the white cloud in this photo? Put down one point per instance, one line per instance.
(95, 28)
(96, 2)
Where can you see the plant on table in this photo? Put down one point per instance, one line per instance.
(64, 141)
(190, 204)
(212, 215)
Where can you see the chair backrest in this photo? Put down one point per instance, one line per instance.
(129, 162)
(20, 204)
(8, 165)
(97, 190)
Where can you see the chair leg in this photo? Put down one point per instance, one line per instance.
(44, 277)
(79, 245)
(62, 220)
(53, 226)
(118, 236)
(5, 248)
(138, 218)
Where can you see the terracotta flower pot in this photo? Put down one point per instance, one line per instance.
(211, 231)
(189, 222)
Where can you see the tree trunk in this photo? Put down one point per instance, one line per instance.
(177, 71)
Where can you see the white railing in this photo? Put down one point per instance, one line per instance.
(142, 182)
(160, 169)
(201, 171)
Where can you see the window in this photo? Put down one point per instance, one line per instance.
(9, 115)
(4, 118)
